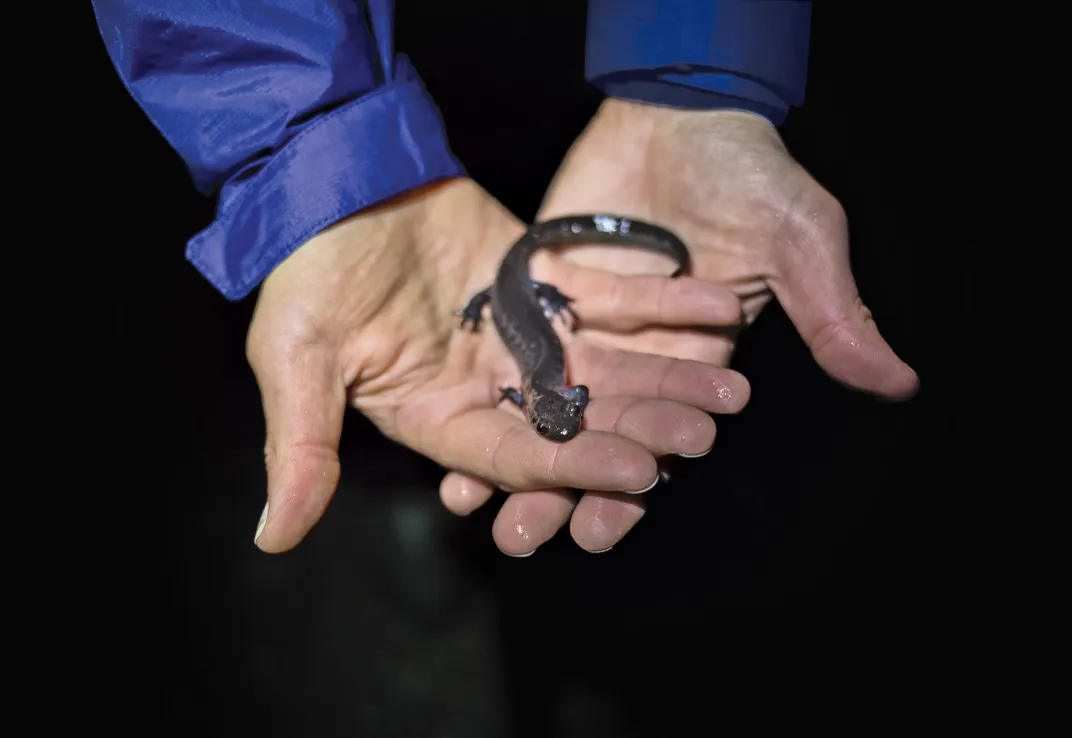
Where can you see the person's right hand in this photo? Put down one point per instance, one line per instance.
(363, 313)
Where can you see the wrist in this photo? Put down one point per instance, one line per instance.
(439, 240)
(646, 134)
(645, 119)
(364, 253)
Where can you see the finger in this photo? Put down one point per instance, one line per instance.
(610, 372)
(663, 427)
(598, 522)
(601, 519)
(815, 286)
(504, 450)
(304, 402)
(708, 345)
(630, 302)
(527, 520)
(463, 494)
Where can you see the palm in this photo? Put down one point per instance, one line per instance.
(730, 221)
(446, 404)
(753, 219)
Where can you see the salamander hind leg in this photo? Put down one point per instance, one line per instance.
(553, 302)
(473, 312)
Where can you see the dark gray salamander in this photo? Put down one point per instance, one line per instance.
(522, 310)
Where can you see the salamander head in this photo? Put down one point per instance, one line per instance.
(556, 417)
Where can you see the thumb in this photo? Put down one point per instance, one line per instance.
(304, 402)
(813, 282)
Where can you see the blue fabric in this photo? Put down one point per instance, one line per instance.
(739, 54)
(298, 113)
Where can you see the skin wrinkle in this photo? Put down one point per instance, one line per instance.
(827, 336)
(668, 365)
(490, 396)
(663, 286)
(362, 377)
(298, 446)
(554, 459)
(498, 449)
(614, 424)
(396, 426)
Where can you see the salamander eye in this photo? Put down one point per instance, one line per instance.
(573, 409)
(542, 428)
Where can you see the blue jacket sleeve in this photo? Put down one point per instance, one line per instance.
(738, 54)
(296, 113)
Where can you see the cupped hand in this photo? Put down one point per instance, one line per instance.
(364, 314)
(754, 220)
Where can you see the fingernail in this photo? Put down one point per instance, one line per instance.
(602, 550)
(695, 456)
(520, 556)
(646, 489)
(260, 523)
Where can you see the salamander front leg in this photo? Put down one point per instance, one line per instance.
(511, 394)
(578, 395)
(473, 312)
(553, 301)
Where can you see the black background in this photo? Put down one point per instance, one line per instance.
(803, 575)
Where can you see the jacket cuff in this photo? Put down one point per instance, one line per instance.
(366, 151)
(703, 54)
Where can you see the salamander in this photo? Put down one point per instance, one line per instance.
(522, 310)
